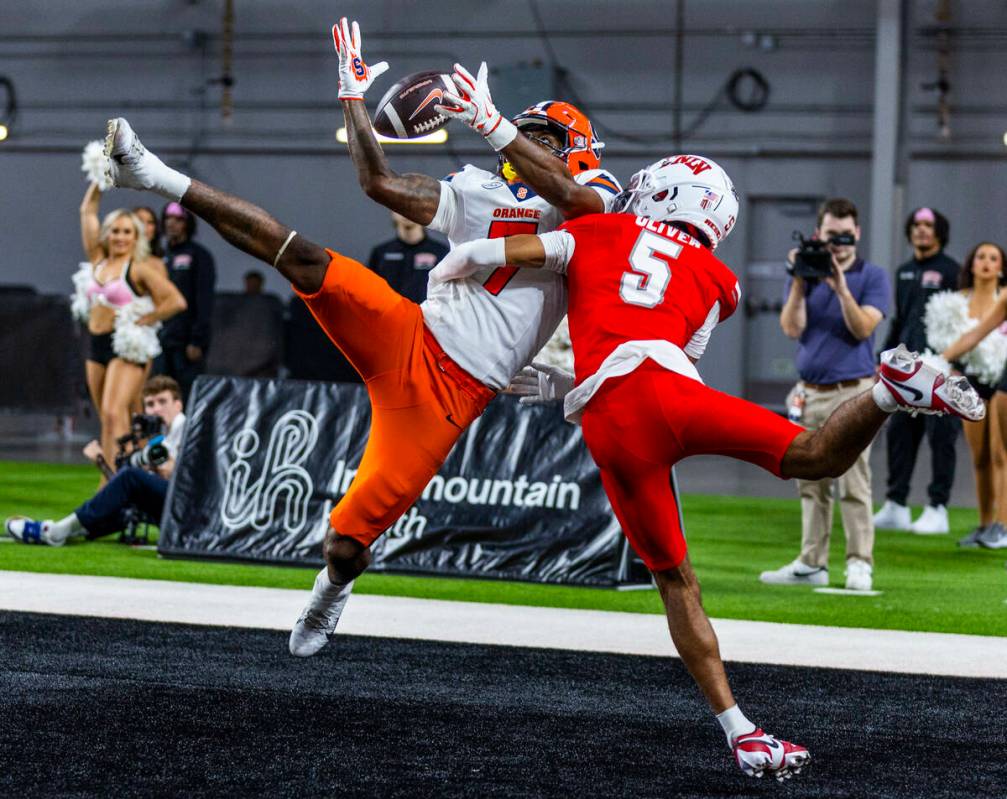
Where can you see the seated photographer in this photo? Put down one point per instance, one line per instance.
(835, 301)
(143, 466)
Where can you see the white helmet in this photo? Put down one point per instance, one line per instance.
(684, 188)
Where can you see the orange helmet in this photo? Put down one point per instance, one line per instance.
(582, 150)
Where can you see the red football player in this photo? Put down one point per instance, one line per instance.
(646, 292)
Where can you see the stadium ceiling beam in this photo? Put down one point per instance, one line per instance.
(886, 196)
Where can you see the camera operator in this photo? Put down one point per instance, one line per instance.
(144, 466)
(835, 301)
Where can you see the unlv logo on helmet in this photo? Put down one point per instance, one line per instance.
(694, 162)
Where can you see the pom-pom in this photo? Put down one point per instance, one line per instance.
(133, 342)
(80, 303)
(94, 164)
(947, 318)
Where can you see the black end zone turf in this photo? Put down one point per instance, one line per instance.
(95, 707)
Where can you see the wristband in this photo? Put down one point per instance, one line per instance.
(503, 133)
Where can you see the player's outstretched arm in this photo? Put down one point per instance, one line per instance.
(414, 196)
(470, 257)
(545, 173)
(551, 179)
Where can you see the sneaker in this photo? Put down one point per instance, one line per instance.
(317, 623)
(933, 521)
(132, 166)
(972, 539)
(858, 575)
(906, 383)
(30, 531)
(893, 516)
(797, 573)
(993, 537)
(757, 753)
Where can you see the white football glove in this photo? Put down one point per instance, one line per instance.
(474, 106)
(467, 259)
(540, 383)
(355, 77)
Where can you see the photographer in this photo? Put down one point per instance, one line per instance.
(835, 301)
(144, 465)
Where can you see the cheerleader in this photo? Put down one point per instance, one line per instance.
(122, 294)
(964, 326)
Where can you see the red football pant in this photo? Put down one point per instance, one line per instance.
(640, 425)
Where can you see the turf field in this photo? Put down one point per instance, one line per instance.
(928, 584)
(104, 707)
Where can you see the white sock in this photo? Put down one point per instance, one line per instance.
(883, 398)
(64, 528)
(168, 182)
(325, 583)
(733, 723)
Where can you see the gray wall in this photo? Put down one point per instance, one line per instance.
(75, 64)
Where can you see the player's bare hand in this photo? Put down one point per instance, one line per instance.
(540, 383)
(93, 451)
(355, 77)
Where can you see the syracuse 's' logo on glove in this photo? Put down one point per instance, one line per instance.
(358, 67)
(282, 480)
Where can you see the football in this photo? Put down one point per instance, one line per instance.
(407, 109)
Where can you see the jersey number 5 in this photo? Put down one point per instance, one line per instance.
(648, 279)
(502, 275)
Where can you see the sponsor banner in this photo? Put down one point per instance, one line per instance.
(264, 461)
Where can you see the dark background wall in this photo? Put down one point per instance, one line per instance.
(158, 62)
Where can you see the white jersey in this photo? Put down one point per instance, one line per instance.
(493, 323)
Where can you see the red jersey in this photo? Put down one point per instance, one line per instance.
(636, 279)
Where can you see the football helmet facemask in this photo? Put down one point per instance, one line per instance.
(684, 188)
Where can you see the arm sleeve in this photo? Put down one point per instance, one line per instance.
(449, 212)
(206, 279)
(559, 248)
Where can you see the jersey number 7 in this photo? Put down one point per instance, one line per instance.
(647, 281)
(502, 275)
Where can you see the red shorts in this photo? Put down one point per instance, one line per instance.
(421, 400)
(640, 425)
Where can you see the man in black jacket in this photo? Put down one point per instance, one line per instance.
(185, 338)
(406, 260)
(926, 273)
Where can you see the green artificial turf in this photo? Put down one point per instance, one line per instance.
(927, 582)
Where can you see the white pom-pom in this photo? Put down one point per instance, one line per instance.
(935, 360)
(133, 342)
(80, 303)
(947, 318)
(94, 164)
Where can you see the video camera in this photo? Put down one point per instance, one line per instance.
(813, 259)
(143, 427)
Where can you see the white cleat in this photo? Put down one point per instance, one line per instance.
(907, 383)
(317, 622)
(859, 575)
(133, 166)
(933, 521)
(758, 753)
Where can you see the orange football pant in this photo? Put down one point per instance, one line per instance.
(421, 400)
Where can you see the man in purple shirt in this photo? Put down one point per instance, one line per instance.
(833, 321)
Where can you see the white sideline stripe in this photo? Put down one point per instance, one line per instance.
(479, 623)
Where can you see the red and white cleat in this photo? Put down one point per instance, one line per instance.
(757, 753)
(918, 387)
